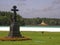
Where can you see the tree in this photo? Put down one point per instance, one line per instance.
(6, 18)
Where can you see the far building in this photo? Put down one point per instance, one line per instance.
(43, 23)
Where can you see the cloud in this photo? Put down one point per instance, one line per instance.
(20, 0)
(56, 2)
(51, 11)
(55, 5)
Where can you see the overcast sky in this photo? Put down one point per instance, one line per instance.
(33, 8)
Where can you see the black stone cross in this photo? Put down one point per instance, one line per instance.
(14, 9)
(14, 27)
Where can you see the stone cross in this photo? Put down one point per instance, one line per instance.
(14, 9)
(14, 27)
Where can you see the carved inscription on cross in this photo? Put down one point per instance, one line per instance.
(14, 10)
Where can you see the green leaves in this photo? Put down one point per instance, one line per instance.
(7, 17)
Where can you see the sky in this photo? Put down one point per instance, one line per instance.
(33, 8)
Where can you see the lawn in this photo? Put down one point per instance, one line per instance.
(38, 38)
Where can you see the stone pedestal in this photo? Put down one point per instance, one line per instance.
(14, 30)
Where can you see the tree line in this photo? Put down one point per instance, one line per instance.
(6, 20)
(7, 17)
(37, 21)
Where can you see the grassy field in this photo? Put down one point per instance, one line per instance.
(38, 38)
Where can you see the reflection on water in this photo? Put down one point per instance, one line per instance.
(34, 26)
(43, 26)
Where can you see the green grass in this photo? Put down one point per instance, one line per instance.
(47, 38)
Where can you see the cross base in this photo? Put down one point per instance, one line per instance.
(14, 30)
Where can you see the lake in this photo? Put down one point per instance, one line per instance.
(34, 28)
